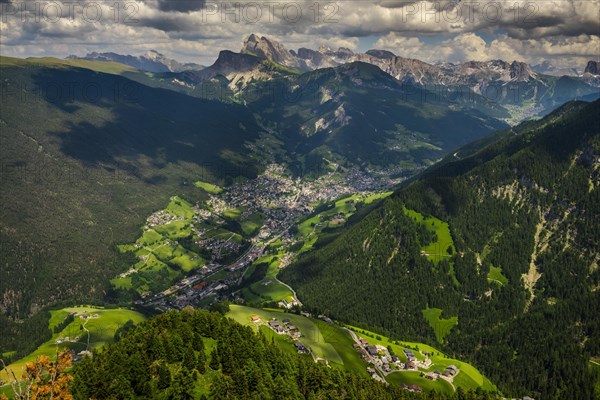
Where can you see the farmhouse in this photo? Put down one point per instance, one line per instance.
(274, 324)
(301, 348)
(414, 388)
(431, 376)
(410, 365)
(255, 318)
(372, 350)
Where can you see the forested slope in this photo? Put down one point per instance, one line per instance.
(524, 220)
(85, 157)
(197, 354)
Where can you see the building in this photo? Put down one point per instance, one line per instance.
(372, 350)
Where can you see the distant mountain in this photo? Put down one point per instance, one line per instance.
(593, 68)
(514, 84)
(357, 114)
(501, 241)
(274, 51)
(152, 61)
(547, 68)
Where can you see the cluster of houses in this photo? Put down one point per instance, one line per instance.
(67, 339)
(382, 363)
(448, 374)
(289, 302)
(284, 328)
(161, 217)
(85, 315)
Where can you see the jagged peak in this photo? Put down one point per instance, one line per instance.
(592, 67)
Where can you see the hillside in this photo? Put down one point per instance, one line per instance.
(517, 268)
(328, 113)
(86, 156)
(196, 354)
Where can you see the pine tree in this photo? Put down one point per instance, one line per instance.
(190, 360)
(201, 364)
(164, 376)
(215, 362)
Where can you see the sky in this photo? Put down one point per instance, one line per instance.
(565, 33)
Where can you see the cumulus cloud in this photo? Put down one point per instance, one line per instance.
(181, 5)
(562, 51)
(195, 30)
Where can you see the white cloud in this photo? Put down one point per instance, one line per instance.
(565, 28)
(470, 46)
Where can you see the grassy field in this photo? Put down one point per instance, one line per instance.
(343, 208)
(252, 224)
(208, 187)
(342, 342)
(268, 289)
(179, 207)
(441, 327)
(469, 377)
(99, 66)
(175, 230)
(496, 275)
(162, 259)
(437, 250)
(311, 334)
(102, 330)
(233, 213)
(410, 377)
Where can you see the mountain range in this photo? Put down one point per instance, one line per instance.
(151, 61)
(514, 86)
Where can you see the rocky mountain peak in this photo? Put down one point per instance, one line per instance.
(521, 71)
(271, 50)
(593, 67)
(383, 54)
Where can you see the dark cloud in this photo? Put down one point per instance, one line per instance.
(184, 6)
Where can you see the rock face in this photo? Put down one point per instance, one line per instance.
(272, 50)
(151, 61)
(406, 70)
(593, 67)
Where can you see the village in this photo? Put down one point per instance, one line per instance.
(280, 199)
(383, 362)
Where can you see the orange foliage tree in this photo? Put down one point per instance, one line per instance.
(43, 379)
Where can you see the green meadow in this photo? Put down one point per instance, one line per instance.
(102, 331)
(495, 275)
(320, 342)
(414, 377)
(440, 326)
(438, 249)
(342, 209)
(252, 224)
(208, 187)
(267, 289)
